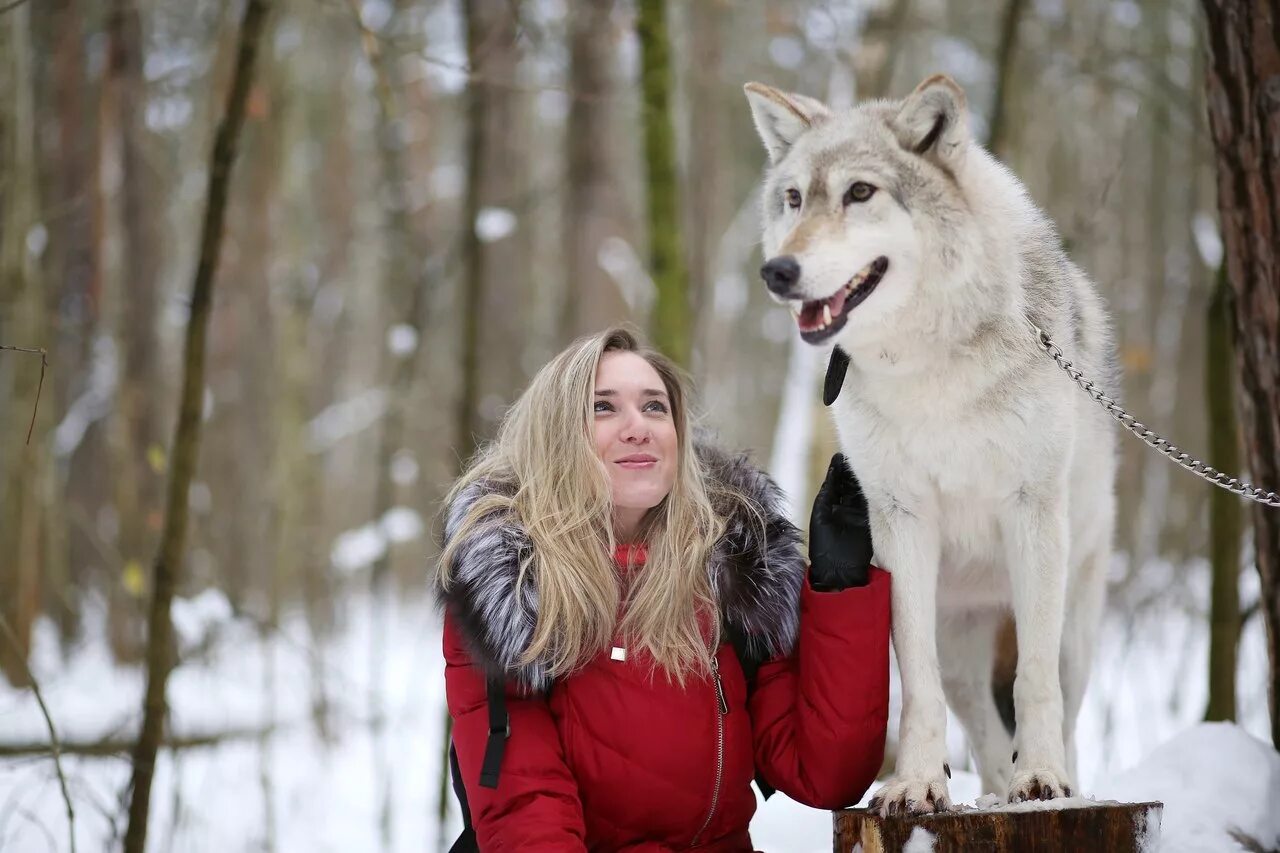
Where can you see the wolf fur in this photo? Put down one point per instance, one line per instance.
(989, 478)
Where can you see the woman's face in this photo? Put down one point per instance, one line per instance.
(635, 437)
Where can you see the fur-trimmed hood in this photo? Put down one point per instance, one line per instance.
(756, 581)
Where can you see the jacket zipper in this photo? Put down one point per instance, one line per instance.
(723, 708)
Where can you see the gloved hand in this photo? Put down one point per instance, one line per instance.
(839, 532)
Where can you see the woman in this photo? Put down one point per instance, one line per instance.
(610, 585)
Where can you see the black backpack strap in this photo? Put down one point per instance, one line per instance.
(459, 790)
(466, 842)
(499, 731)
(750, 663)
(495, 745)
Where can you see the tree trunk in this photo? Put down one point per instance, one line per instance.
(405, 292)
(23, 467)
(497, 277)
(186, 441)
(1226, 515)
(1243, 93)
(704, 123)
(130, 303)
(593, 208)
(671, 324)
(1114, 828)
(997, 129)
(71, 271)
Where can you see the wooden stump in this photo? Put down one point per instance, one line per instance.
(1110, 827)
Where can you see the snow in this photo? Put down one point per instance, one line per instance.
(621, 263)
(322, 793)
(404, 468)
(1212, 779)
(402, 340)
(194, 618)
(361, 547)
(317, 784)
(1208, 241)
(93, 402)
(920, 841)
(794, 430)
(494, 223)
(345, 418)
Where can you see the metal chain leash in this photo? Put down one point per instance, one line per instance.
(1129, 422)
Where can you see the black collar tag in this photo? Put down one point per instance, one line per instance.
(836, 370)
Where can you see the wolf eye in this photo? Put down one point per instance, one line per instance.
(858, 191)
(793, 199)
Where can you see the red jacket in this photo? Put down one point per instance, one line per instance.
(611, 758)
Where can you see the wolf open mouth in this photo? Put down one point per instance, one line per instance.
(819, 319)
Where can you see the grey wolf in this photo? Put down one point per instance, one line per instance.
(894, 236)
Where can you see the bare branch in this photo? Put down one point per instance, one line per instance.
(44, 360)
(53, 732)
(186, 440)
(114, 746)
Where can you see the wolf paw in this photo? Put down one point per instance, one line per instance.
(1038, 785)
(912, 796)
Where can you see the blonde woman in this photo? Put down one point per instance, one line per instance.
(631, 633)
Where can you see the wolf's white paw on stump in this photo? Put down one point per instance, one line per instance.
(1056, 826)
(1038, 785)
(903, 796)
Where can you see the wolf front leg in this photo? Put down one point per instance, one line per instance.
(907, 545)
(1034, 526)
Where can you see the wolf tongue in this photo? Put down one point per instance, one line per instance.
(837, 302)
(811, 315)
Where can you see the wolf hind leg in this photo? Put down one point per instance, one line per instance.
(966, 653)
(1085, 601)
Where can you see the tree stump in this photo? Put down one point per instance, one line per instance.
(1027, 828)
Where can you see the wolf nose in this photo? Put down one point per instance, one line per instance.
(781, 274)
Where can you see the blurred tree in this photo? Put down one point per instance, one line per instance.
(1005, 55)
(1244, 116)
(495, 250)
(186, 441)
(1226, 515)
(704, 129)
(593, 206)
(671, 324)
(405, 291)
(25, 469)
(137, 442)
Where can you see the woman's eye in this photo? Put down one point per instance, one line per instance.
(793, 199)
(858, 191)
(601, 407)
(656, 406)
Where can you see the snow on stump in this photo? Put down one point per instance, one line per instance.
(1056, 826)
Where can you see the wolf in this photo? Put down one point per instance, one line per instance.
(901, 243)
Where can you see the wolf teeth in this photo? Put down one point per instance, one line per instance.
(826, 314)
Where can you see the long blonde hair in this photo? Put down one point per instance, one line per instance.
(559, 493)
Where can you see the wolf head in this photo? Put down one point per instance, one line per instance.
(864, 212)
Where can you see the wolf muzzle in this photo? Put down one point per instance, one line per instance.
(781, 275)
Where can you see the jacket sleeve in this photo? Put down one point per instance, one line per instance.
(819, 716)
(536, 805)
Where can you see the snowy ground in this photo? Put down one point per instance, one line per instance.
(300, 791)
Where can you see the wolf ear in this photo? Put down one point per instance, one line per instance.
(933, 122)
(781, 117)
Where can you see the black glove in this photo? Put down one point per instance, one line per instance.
(839, 532)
